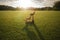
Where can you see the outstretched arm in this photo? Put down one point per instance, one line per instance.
(33, 13)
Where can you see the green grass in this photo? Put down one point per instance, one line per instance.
(12, 23)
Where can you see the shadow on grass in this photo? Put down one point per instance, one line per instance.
(38, 32)
(31, 34)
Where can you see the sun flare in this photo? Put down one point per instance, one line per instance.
(25, 3)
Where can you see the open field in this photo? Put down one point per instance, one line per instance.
(47, 25)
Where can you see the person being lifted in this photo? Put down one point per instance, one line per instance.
(30, 19)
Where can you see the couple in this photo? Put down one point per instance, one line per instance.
(30, 19)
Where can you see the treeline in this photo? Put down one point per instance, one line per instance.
(55, 7)
(4, 7)
(44, 8)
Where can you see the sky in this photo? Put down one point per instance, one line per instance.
(28, 3)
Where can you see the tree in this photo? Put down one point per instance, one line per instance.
(57, 5)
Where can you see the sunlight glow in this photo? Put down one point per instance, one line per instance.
(25, 3)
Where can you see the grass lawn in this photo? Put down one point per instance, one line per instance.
(47, 25)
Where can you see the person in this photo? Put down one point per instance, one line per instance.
(30, 19)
